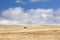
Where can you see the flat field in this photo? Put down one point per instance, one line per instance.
(29, 32)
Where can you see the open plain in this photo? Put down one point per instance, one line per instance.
(29, 32)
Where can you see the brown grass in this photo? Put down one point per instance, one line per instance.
(31, 32)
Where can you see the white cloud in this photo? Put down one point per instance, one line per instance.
(19, 1)
(37, 0)
(22, 1)
(57, 14)
(12, 13)
(32, 16)
(9, 22)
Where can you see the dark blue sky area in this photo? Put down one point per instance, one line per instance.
(5, 4)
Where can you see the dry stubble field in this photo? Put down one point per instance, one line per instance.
(29, 32)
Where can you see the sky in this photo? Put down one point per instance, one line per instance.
(29, 11)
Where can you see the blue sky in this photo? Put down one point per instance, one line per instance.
(30, 11)
(5, 4)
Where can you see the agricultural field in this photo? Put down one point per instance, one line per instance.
(29, 32)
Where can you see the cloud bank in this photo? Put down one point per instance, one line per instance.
(18, 15)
